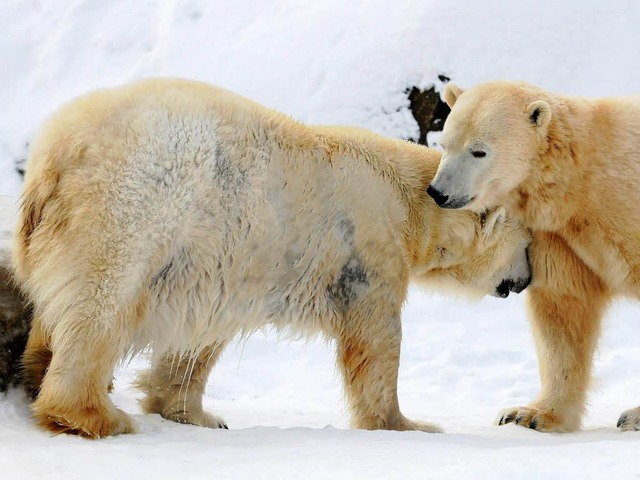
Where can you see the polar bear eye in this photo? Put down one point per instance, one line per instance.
(478, 153)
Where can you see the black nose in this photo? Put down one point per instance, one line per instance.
(515, 286)
(504, 288)
(437, 196)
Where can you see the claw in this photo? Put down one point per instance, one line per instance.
(508, 418)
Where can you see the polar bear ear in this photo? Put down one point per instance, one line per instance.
(493, 223)
(451, 93)
(539, 113)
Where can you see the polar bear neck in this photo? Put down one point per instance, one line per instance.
(560, 170)
(407, 167)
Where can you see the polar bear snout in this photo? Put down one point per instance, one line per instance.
(519, 279)
(504, 289)
(510, 285)
(519, 286)
(439, 198)
(445, 201)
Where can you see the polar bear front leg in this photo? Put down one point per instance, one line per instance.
(369, 356)
(566, 304)
(175, 385)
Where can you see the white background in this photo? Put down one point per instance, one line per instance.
(330, 61)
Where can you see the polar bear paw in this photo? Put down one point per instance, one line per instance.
(533, 418)
(201, 419)
(629, 420)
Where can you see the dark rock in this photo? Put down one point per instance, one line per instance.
(15, 317)
(428, 109)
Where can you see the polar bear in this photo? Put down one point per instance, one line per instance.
(174, 215)
(569, 169)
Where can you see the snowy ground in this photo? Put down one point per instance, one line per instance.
(282, 400)
(334, 62)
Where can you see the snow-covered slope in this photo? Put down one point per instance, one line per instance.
(334, 62)
(325, 61)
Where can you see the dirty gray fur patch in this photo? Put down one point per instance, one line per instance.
(346, 229)
(351, 283)
(222, 168)
(228, 175)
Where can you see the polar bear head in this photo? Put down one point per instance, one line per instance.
(489, 140)
(475, 255)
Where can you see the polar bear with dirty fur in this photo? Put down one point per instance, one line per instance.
(174, 215)
(569, 169)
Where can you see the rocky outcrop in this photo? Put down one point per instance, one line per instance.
(15, 313)
(428, 109)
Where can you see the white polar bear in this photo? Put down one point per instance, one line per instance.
(173, 215)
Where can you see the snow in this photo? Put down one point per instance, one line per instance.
(342, 63)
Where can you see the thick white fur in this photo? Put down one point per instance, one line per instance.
(569, 169)
(175, 215)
